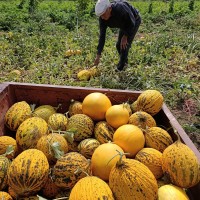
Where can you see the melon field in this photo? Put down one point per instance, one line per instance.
(165, 54)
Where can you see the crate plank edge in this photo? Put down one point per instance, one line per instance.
(41, 94)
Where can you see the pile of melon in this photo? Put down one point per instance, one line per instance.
(97, 150)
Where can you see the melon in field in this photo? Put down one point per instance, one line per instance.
(15, 73)
(84, 75)
(94, 71)
(69, 52)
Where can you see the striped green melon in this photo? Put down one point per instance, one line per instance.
(28, 172)
(131, 180)
(70, 168)
(82, 125)
(4, 165)
(5, 196)
(87, 146)
(75, 107)
(16, 114)
(142, 119)
(157, 138)
(53, 146)
(150, 101)
(8, 142)
(50, 189)
(181, 165)
(152, 158)
(30, 131)
(12, 193)
(103, 132)
(57, 122)
(73, 146)
(44, 111)
(134, 106)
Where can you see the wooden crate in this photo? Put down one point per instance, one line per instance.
(40, 94)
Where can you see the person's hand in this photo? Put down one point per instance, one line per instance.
(124, 42)
(97, 60)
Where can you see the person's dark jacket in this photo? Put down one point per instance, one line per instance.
(123, 16)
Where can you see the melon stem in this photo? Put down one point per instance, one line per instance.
(121, 154)
(9, 150)
(68, 135)
(177, 135)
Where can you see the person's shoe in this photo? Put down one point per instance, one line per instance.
(116, 70)
(126, 62)
(120, 67)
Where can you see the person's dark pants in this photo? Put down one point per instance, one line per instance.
(124, 52)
